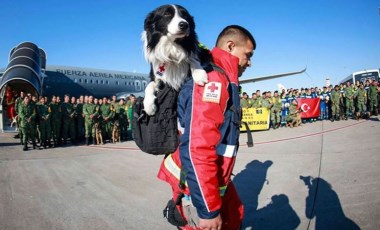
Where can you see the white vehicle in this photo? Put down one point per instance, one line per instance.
(363, 76)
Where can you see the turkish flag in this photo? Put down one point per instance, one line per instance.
(309, 106)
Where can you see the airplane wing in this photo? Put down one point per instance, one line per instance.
(250, 80)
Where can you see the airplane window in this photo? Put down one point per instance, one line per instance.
(107, 82)
(85, 81)
(91, 81)
(101, 82)
(117, 82)
(75, 80)
(97, 82)
(80, 80)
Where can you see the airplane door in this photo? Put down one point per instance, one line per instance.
(144, 84)
(138, 86)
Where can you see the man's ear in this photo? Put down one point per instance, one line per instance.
(230, 46)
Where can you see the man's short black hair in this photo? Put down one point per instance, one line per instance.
(235, 30)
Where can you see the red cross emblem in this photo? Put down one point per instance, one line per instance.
(212, 87)
(162, 68)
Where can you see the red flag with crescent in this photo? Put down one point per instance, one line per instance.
(310, 107)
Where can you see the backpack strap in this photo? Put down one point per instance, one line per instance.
(230, 104)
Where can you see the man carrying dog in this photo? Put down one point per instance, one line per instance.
(201, 165)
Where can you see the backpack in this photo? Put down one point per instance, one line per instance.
(157, 134)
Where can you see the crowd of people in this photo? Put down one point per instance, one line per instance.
(343, 101)
(50, 122)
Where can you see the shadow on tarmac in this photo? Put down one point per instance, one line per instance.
(323, 204)
(278, 214)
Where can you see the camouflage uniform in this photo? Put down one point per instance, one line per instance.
(361, 98)
(292, 116)
(349, 94)
(79, 121)
(372, 95)
(55, 121)
(275, 111)
(121, 116)
(107, 113)
(246, 103)
(18, 103)
(335, 100)
(68, 114)
(91, 113)
(26, 115)
(43, 112)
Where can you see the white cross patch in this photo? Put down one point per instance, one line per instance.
(212, 92)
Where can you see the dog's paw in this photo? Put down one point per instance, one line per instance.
(149, 106)
(200, 76)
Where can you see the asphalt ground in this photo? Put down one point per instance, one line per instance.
(322, 175)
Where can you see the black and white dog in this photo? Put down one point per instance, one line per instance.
(171, 48)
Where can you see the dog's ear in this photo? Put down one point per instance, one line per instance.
(149, 22)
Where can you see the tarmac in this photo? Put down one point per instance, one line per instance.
(322, 175)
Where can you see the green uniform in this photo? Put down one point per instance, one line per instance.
(275, 111)
(372, 96)
(107, 113)
(26, 114)
(55, 121)
(122, 117)
(79, 121)
(43, 112)
(18, 102)
(335, 99)
(245, 103)
(349, 94)
(90, 112)
(292, 116)
(33, 124)
(266, 103)
(361, 98)
(68, 114)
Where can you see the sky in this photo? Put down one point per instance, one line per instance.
(331, 38)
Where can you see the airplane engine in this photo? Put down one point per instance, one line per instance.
(24, 71)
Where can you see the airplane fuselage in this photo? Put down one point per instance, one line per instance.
(60, 80)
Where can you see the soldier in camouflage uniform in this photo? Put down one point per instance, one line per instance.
(26, 115)
(335, 100)
(121, 115)
(245, 102)
(79, 119)
(55, 120)
(34, 134)
(18, 102)
(291, 118)
(361, 97)
(266, 101)
(372, 95)
(91, 113)
(43, 112)
(107, 113)
(68, 114)
(349, 95)
(276, 110)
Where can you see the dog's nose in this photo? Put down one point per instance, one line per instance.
(183, 25)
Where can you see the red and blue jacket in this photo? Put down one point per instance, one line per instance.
(210, 137)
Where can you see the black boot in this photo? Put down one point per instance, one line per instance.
(87, 141)
(25, 147)
(332, 118)
(34, 145)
